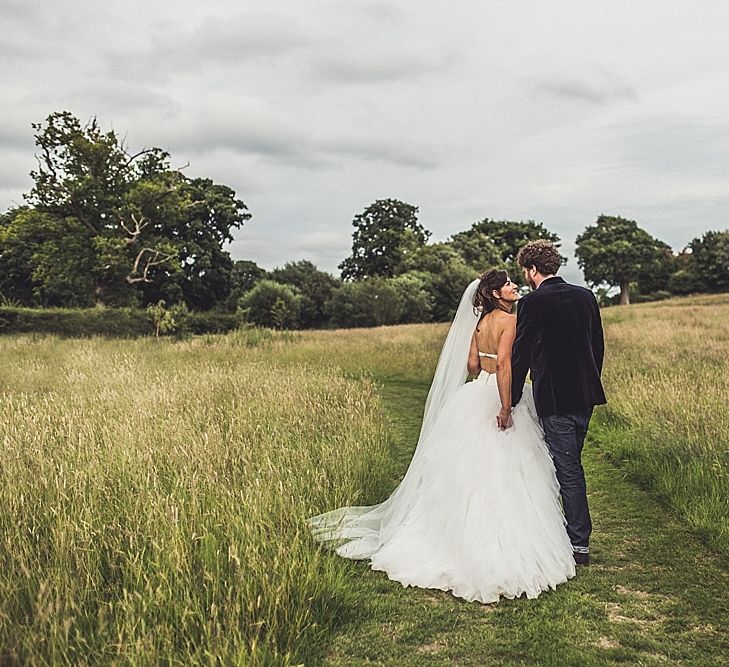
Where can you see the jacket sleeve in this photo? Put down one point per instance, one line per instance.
(598, 338)
(522, 350)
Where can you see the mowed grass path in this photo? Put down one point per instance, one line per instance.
(654, 594)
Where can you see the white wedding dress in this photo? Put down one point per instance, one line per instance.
(478, 510)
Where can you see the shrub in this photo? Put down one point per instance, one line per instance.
(110, 322)
(685, 281)
(210, 321)
(416, 301)
(366, 303)
(315, 289)
(271, 304)
(76, 323)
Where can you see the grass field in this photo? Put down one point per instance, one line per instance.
(667, 422)
(153, 496)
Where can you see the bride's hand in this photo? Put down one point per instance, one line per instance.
(503, 419)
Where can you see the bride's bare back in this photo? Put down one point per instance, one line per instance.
(487, 338)
(494, 335)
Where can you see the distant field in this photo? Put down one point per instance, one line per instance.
(153, 493)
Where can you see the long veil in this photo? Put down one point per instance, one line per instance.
(358, 531)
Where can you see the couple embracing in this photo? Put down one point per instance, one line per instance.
(478, 512)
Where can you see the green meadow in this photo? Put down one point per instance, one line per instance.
(154, 493)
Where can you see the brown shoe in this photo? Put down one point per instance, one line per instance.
(581, 558)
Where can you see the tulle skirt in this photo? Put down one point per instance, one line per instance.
(477, 513)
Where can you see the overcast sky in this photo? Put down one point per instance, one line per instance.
(547, 110)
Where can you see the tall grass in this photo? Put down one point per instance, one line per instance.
(153, 496)
(667, 420)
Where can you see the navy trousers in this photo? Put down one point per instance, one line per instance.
(565, 436)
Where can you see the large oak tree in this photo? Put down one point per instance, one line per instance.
(121, 227)
(617, 251)
(386, 232)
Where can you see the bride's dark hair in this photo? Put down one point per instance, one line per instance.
(483, 299)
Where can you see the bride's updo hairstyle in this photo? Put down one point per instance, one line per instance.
(483, 299)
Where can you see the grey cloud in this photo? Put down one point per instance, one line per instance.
(212, 42)
(246, 34)
(21, 36)
(252, 126)
(322, 240)
(15, 136)
(14, 172)
(381, 11)
(584, 91)
(396, 151)
(244, 127)
(324, 249)
(18, 10)
(674, 146)
(373, 67)
(120, 96)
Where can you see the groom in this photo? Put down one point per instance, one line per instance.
(559, 338)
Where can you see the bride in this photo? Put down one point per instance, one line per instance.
(478, 510)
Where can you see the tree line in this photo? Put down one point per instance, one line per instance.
(106, 226)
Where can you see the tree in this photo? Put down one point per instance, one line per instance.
(315, 288)
(199, 220)
(17, 238)
(416, 300)
(616, 251)
(489, 241)
(271, 304)
(243, 277)
(709, 261)
(477, 250)
(153, 232)
(385, 233)
(446, 275)
(45, 261)
(371, 302)
(684, 280)
(656, 276)
(166, 320)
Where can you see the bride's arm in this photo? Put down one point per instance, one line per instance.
(503, 370)
(474, 363)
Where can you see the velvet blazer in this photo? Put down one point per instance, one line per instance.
(559, 338)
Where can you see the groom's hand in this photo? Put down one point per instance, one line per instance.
(503, 419)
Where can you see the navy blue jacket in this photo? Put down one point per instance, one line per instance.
(559, 339)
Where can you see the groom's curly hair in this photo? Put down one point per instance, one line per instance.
(542, 255)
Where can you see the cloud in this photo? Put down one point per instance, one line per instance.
(13, 179)
(242, 125)
(252, 126)
(21, 33)
(374, 66)
(326, 249)
(252, 34)
(397, 151)
(597, 92)
(15, 137)
(382, 11)
(212, 44)
(18, 10)
(108, 98)
(687, 146)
